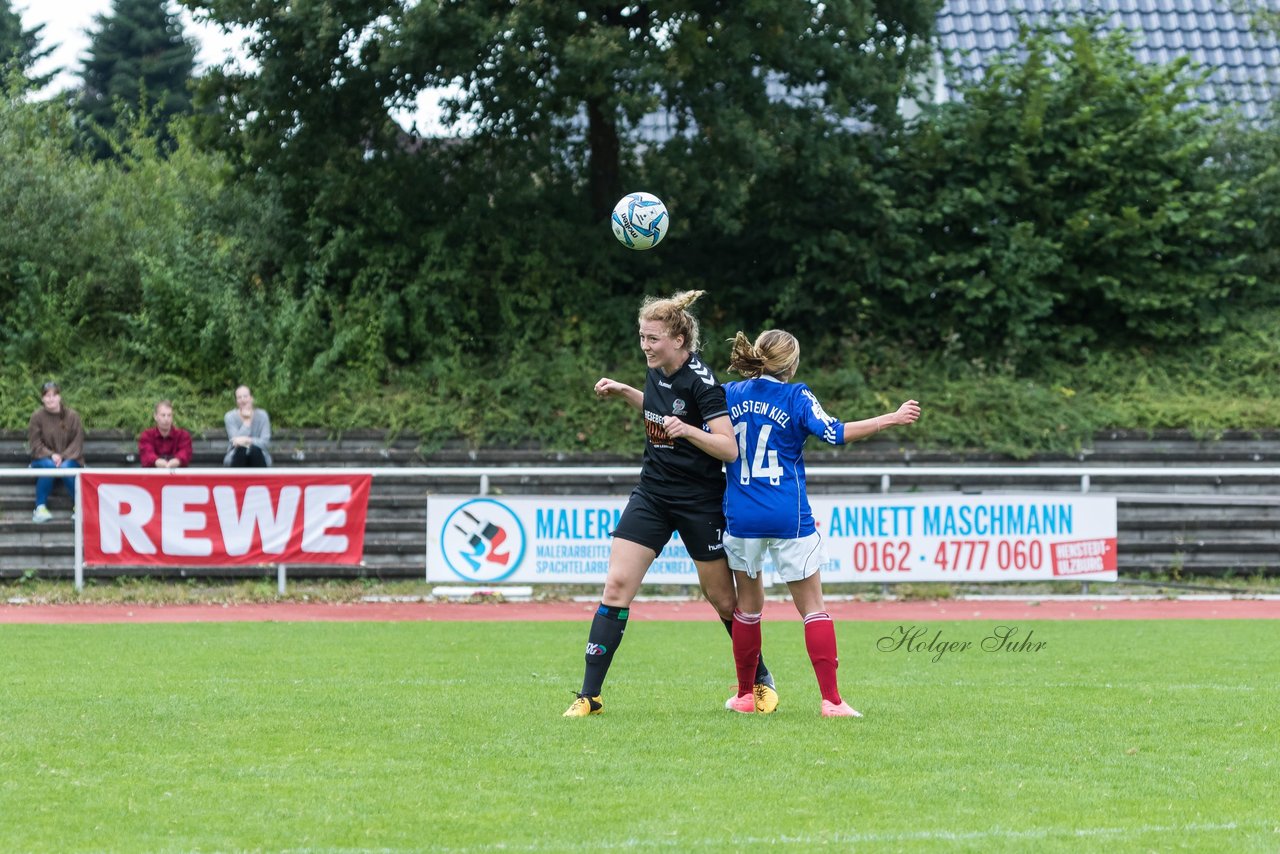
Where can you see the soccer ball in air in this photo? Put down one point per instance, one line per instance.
(640, 220)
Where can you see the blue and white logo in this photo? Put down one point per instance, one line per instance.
(482, 540)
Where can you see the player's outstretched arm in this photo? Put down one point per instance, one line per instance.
(907, 413)
(607, 388)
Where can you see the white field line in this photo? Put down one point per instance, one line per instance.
(846, 838)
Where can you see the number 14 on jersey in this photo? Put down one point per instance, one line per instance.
(764, 461)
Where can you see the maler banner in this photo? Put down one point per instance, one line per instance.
(887, 538)
(184, 519)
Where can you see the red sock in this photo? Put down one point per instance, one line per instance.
(820, 640)
(746, 649)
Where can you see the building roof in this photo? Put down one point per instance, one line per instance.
(1244, 62)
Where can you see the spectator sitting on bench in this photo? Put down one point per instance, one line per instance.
(248, 433)
(164, 446)
(56, 438)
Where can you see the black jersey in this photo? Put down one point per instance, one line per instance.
(676, 467)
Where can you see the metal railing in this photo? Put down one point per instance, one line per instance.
(1083, 473)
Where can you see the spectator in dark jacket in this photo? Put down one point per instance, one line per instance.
(56, 438)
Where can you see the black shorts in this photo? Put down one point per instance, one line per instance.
(649, 521)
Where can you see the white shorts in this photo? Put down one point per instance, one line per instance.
(793, 559)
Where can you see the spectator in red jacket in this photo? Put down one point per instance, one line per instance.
(164, 446)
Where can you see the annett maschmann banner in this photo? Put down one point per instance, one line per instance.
(186, 519)
(969, 537)
(883, 538)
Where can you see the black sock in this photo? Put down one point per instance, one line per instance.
(762, 672)
(606, 634)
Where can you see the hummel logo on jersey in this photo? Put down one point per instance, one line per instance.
(664, 385)
(702, 371)
(596, 648)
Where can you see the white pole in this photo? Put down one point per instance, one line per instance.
(79, 535)
(280, 578)
(426, 539)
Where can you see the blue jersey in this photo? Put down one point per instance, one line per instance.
(765, 490)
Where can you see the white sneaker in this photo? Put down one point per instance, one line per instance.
(41, 514)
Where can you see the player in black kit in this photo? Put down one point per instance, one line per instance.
(681, 488)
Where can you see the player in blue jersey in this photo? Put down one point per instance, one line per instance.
(681, 489)
(766, 506)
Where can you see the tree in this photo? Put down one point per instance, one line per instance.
(20, 48)
(1067, 202)
(501, 232)
(309, 124)
(1249, 156)
(727, 78)
(140, 61)
(313, 108)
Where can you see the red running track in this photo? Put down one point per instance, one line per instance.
(915, 611)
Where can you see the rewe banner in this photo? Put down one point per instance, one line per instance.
(218, 520)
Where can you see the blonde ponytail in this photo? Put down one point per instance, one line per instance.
(775, 353)
(673, 313)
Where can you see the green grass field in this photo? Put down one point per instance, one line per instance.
(1129, 736)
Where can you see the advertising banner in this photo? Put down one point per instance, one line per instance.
(185, 519)
(552, 539)
(969, 537)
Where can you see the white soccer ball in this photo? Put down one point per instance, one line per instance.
(640, 220)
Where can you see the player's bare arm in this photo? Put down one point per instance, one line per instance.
(906, 414)
(607, 388)
(718, 443)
